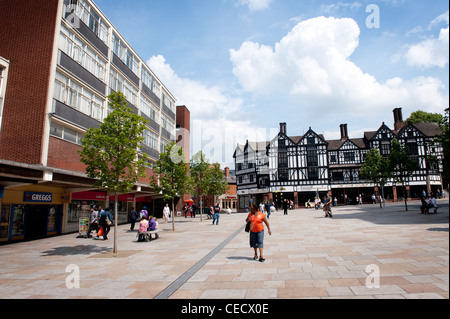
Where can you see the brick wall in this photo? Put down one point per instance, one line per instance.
(26, 39)
(64, 155)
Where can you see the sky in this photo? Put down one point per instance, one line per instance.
(243, 66)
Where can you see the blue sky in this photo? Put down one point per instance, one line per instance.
(244, 66)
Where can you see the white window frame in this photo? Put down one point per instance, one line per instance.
(78, 97)
(4, 68)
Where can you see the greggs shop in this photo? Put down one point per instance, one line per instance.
(30, 213)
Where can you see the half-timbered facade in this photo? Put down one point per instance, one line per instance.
(299, 168)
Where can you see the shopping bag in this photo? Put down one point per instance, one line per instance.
(101, 232)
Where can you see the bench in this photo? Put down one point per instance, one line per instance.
(435, 210)
(147, 236)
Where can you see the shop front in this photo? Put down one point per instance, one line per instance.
(30, 214)
(80, 207)
(125, 205)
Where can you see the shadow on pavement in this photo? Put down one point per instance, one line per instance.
(74, 250)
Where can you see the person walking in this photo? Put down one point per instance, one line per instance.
(285, 206)
(93, 225)
(327, 202)
(256, 219)
(166, 213)
(106, 219)
(185, 210)
(133, 218)
(216, 215)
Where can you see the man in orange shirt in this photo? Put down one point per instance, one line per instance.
(256, 219)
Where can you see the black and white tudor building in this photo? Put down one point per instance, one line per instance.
(299, 168)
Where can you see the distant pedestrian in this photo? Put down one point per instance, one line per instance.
(185, 210)
(193, 209)
(166, 213)
(133, 218)
(216, 215)
(93, 225)
(106, 219)
(143, 213)
(327, 202)
(256, 219)
(285, 206)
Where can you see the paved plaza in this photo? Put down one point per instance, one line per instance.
(307, 256)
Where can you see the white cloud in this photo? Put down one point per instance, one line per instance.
(430, 52)
(256, 5)
(312, 62)
(217, 124)
(337, 6)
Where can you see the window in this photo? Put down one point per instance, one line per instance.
(86, 14)
(413, 149)
(74, 95)
(312, 158)
(150, 139)
(338, 176)
(65, 133)
(282, 160)
(349, 156)
(125, 54)
(167, 124)
(385, 149)
(118, 83)
(283, 174)
(148, 109)
(333, 159)
(167, 101)
(313, 173)
(71, 45)
(150, 82)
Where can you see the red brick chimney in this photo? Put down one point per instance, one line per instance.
(398, 119)
(227, 172)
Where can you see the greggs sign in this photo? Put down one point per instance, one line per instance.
(31, 197)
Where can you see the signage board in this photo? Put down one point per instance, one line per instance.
(33, 197)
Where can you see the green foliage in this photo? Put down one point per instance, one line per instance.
(171, 177)
(401, 165)
(375, 168)
(425, 117)
(110, 152)
(217, 182)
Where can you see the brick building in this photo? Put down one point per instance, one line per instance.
(60, 59)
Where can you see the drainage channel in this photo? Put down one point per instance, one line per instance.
(173, 287)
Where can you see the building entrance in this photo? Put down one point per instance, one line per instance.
(36, 221)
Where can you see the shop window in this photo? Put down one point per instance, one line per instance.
(4, 219)
(18, 225)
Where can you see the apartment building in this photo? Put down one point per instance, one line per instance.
(299, 168)
(61, 59)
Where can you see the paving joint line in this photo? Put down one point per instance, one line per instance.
(174, 286)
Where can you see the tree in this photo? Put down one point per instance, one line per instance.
(110, 152)
(375, 169)
(401, 166)
(172, 176)
(218, 185)
(199, 175)
(425, 117)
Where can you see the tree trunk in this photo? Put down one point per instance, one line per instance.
(115, 250)
(173, 214)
